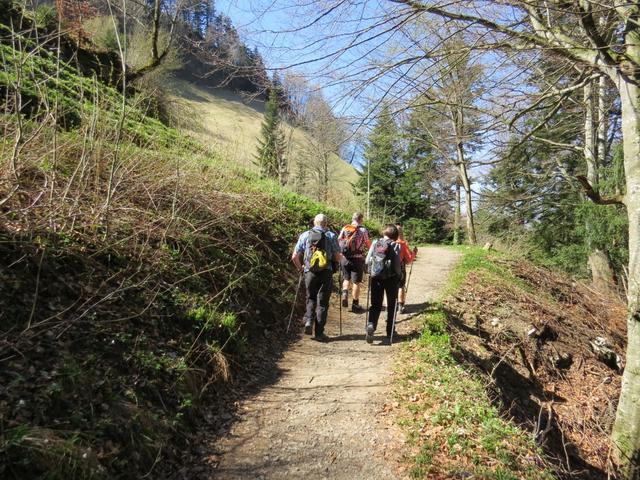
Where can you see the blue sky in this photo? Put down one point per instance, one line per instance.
(265, 24)
(275, 28)
(269, 24)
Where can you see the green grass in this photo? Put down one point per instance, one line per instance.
(450, 421)
(481, 262)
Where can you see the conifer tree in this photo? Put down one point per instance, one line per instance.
(382, 169)
(271, 146)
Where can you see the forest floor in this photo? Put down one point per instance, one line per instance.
(325, 413)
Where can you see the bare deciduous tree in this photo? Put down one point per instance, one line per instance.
(326, 136)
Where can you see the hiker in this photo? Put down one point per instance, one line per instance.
(383, 262)
(406, 256)
(313, 255)
(354, 242)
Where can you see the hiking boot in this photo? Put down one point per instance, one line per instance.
(401, 307)
(370, 330)
(356, 308)
(345, 298)
(308, 328)
(321, 337)
(386, 341)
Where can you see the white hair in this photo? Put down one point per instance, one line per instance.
(320, 220)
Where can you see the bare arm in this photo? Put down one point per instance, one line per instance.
(297, 261)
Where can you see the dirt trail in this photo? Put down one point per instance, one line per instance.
(324, 418)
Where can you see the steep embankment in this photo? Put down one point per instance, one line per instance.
(139, 273)
(514, 341)
(231, 123)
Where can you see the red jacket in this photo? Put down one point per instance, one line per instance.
(406, 255)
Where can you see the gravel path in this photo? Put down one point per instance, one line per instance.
(325, 416)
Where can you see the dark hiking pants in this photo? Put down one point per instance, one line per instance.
(379, 288)
(318, 293)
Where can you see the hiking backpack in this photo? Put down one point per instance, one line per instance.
(352, 242)
(316, 251)
(382, 260)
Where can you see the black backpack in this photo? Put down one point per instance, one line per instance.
(316, 251)
(382, 260)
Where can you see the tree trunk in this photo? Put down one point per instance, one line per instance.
(603, 121)
(155, 32)
(458, 121)
(602, 276)
(324, 177)
(626, 430)
(456, 216)
(590, 140)
(466, 184)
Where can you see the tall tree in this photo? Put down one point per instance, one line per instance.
(326, 135)
(448, 116)
(606, 37)
(595, 153)
(427, 177)
(271, 145)
(379, 178)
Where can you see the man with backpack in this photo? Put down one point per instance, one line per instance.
(354, 242)
(383, 261)
(313, 255)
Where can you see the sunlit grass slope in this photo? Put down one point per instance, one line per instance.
(231, 124)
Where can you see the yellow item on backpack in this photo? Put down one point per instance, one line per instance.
(318, 260)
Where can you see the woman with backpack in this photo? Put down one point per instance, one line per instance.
(383, 262)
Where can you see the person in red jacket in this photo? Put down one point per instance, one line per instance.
(406, 256)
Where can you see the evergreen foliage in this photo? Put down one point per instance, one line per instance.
(402, 181)
(271, 146)
(382, 168)
(536, 205)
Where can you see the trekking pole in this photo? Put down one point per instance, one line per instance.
(406, 287)
(339, 297)
(366, 317)
(293, 307)
(393, 323)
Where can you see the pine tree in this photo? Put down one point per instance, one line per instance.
(422, 174)
(382, 169)
(272, 145)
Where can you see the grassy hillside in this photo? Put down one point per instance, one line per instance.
(231, 124)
